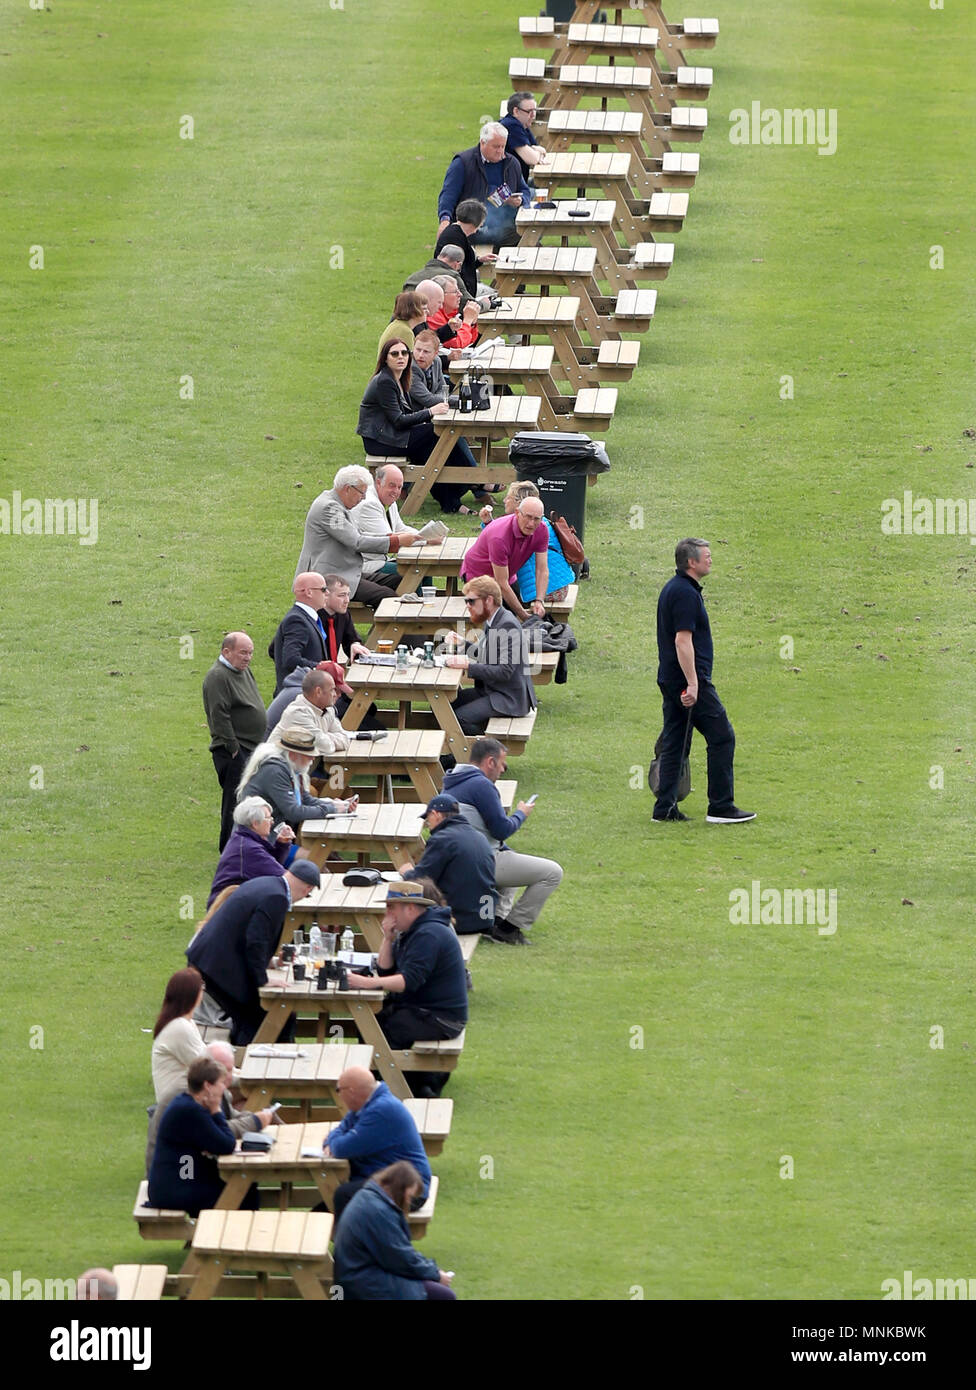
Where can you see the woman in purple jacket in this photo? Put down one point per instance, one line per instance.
(251, 852)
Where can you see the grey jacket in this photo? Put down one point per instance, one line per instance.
(499, 666)
(334, 543)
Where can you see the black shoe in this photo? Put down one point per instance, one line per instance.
(672, 814)
(506, 934)
(730, 816)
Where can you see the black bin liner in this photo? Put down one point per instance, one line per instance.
(559, 465)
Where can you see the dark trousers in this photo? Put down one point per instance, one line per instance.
(403, 1025)
(418, 448)
(374, 591)
(473, 710)
(228, 771)
(245, 1018)
(709, 718)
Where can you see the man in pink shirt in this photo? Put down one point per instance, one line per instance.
(503, 548)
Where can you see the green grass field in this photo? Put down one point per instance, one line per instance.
(616, 1167)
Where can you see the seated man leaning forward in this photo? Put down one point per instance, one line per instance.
(314, 711)
(497, 663)
(461, 862)
(376, 1130)
(473, 785)
(503, 548)
(421, 966)
(233, 949)
(334, 544)
(278, 772)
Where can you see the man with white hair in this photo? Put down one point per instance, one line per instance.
(495, 178)
(378, 515)
(334, 544)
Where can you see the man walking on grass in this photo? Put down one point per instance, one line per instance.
(684, 675)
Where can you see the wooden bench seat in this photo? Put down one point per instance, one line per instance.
(514, 732)
(374, 461)
(159, 1223)
(293, 1243)
(543, 667)
(433, 1054)
(433, 1115)
(561, 612)
(419, 1220)
(140, 1283)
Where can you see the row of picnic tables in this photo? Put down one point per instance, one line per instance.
(588, 296)
(619, 103)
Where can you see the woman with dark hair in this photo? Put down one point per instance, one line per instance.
(184, 1175)
(177, 1041)
(374, 1257)
(409, 314)
(388, 424)
(469, 215)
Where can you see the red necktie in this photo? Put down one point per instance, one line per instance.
(333, 649)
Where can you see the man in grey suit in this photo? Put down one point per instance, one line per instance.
(334, 543)
(498, 662)
(377, 515)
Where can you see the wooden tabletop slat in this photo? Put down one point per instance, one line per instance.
(315, 1238)
(451, 549)
(600, 213)
(289, 1232)
(531, 359)
(532, 310)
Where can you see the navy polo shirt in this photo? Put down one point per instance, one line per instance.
(681, 608)
(517, 137)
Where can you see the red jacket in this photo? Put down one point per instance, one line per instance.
(465, 335)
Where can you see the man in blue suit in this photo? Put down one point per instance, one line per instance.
(498, 662)
(232, 950)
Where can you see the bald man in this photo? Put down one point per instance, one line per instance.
(314, 711)
(301, 638)
(377, 514)
(376, 1130)
(235, 717)
(97, 1286)
(503, 548)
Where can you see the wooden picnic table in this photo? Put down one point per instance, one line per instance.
(413, 753)
(431, 686)
(335, 905)
(286, 1165)
(529, 367)
(359, 1006)
(532, 315)
(578, 42)
(647, 89)
(674, 39)
(399, 620)
(376, 833)
(419, 564)
(292, 1245)
(603, 317)
(305, 1072)
(507, 415)
(651, 170)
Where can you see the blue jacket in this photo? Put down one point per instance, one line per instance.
(560, 573)
(468, 176)
(187, 1131)
(481, 804)
(374, 1257)
(381, 1133)
(462, 864)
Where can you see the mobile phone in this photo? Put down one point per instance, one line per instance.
(532, 799)
(276, 1106)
